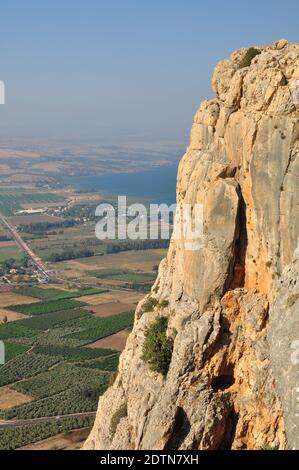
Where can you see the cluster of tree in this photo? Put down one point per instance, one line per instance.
(136, 245)
(4, 238)
(140, 287)
(70, 253)
(12, 263)
(41, 227)
(81, 211)
(20, 436)
(24, 366)
(80, 398)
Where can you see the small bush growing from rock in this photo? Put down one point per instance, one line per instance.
(112, 378)
(164, 303)
(292, 300)
(122, 412)
(157, 347)
(157, 287)
(269, 447)
(249, 56)
(150, 304)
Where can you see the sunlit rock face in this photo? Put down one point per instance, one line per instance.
(223, 389)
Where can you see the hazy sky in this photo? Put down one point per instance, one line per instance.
(122, 68)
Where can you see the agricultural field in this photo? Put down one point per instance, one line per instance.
(13, 201)
(115, 295)
(72, 354)
(49, 371)
(10, 398)
(143, 261)
(126, 275)
(108, 363)
(13, 298)
(19, 220)
(81, 398)
(92, 329)
(9, 252)
(71, 440)
(15, 330)
(15, 438)
(59, 379)
(124, 278)
(111, 308)
(116, 341)
(54, 319)
(7, 316)
(25, 365)
(48, 306)
(13, 349)
(57, 294)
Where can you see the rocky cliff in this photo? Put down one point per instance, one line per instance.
(232, 306)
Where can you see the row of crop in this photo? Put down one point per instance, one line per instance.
(15, 438)
(58, 379)
(12, 350)
(57, 294)
(25, 365)
(51, 320)
(15, 330)
(56, 337)
(77, 399)
(128, 275)
(90, 291)
(94, 328)
(48, 306)
(72, 354)
(44, 294)
(109, 363)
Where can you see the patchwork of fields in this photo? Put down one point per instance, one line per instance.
(50, 369)
(63, 342)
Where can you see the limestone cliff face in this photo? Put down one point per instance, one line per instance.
(223, 389)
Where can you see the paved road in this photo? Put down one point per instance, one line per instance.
(46, 419)
(23, 245)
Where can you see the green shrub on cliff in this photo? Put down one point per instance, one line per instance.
(251, 53)
(149, 305)
(157, 347)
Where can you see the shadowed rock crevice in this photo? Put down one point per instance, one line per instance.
(240, 247)
(230, 432)
(222, 382)
(180, 430)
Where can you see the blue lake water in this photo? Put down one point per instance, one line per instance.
(156, 186)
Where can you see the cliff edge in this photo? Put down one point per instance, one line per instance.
(231, 307)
